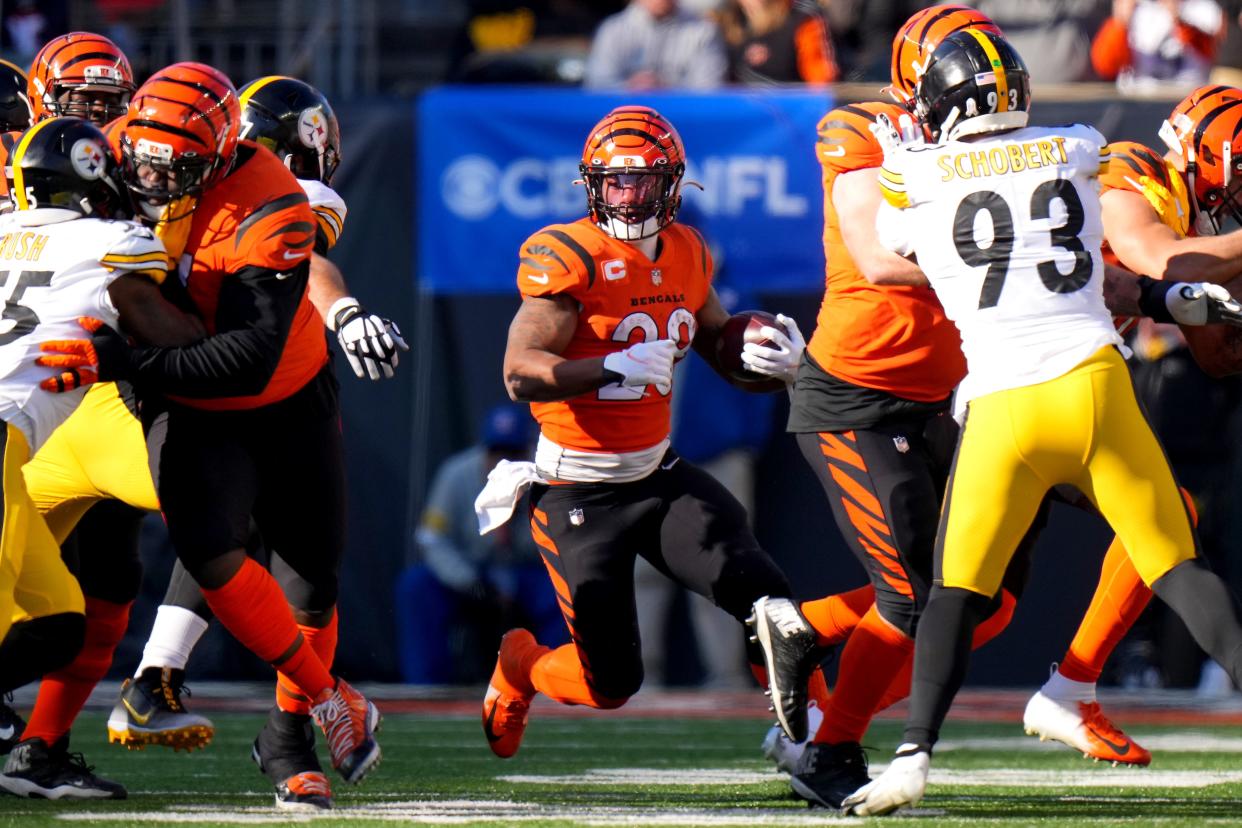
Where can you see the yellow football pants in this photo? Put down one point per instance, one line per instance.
(98, 453)
(34, 581)
(1083, 428)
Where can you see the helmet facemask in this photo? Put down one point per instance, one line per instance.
(631, 203)
(155, 178)
(97, 104)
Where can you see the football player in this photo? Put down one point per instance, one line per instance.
(63, 258)
(296, 122)
(1026, 290)
(609, 303)
(255, 401)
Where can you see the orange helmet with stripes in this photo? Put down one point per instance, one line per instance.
(632, 166)
(180, 133)
(80, 74)
(1204, 130)
(919, 37)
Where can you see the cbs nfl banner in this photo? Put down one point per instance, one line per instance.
(497, 164)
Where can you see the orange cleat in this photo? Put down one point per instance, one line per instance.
(509, 694)
(1084, 727)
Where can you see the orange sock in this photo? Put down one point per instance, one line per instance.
(63, 693)
(836, 616)
(1119, 600)
(817, 689)
(985, 632)
(252, 607)
(560, 675)
(873, 656)
(289, 697)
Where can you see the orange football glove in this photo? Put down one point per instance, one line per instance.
(77, 356)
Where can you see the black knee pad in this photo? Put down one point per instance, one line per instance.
(34, 648)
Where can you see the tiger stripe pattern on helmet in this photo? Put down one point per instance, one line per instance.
(920, 35)
(77, 60)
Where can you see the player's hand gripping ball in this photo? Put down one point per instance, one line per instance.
(741, 329)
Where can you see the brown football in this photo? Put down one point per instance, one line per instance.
(740, 328)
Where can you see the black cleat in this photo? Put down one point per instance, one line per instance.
(12, 726)
(35, 771)
(790, 652)
(827, 774)
(285, 752)
(150, 712)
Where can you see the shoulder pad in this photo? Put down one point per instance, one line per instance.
(560, 258)
(845, 142)
(1127, 165)
(135, 249)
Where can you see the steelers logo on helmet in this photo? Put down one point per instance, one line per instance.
(88, 159)
(632, 166)
(975, 82)
(313, 128)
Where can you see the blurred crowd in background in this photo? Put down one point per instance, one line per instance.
(460, 591)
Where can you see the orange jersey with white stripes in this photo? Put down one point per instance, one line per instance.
(888, 337)
(623, 298)
(257, 216)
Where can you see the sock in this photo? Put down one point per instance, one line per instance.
(289, 697)
(873, 656)
(836, 616)
(252, 607)
(1119, 600)
(39, 646)
(173, 636)
(1066, 689)
(985, 632)
(63, 693)
(817, 692)
(760, 672)
(560, 676)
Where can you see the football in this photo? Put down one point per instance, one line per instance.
(743, 327)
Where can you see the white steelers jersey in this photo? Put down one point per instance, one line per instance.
(329, 209)
(51, 274)
(1008, 231)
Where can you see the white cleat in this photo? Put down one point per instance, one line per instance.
(1083, 727)
(785, 753)
(902, 783)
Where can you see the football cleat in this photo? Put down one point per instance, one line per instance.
(349, 722)
(780, 750)
(509, 694)
(1084, 727)
(284, 750)
(150, 712)
(827, 774)
(35, 771)
(790, 652)
(903, 783)
(12, 726)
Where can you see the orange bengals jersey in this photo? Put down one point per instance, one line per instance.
(888, 337)
(256, 216)
(623, 298)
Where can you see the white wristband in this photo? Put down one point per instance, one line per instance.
(338, 306)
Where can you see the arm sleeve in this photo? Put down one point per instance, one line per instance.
(255, 311)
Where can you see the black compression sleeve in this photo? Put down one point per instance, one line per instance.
(1151, 301)
(255, 310)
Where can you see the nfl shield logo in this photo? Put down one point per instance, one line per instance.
(656, 277)
(576, 517)
(902, 444)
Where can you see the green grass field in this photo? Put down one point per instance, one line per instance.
(611, 770)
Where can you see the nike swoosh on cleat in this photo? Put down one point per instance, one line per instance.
(491, 734)
(138, 717)
(1122, 749)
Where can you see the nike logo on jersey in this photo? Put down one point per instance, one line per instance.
(539, 280)
(280, 277)
(297, 254)
(669, 464)
(836, 153)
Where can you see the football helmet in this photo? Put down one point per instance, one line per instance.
(1203, 130)
(65, 163)
(918, 38)
(974, 83)
(294, 120)
(179, 135)
(81, 74)
(632, 165)
(15, 114)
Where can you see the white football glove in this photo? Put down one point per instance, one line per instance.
(1202, 303)
(893, 137)
(643, 364)
(371, 343)
(780, 361)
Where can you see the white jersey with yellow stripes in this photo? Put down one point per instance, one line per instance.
(54, 268)
(1007, 229)
(328, 206)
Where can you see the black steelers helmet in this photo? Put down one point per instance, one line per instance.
(14, 105)
(294, 120)
(65, 163)
(975, 82)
